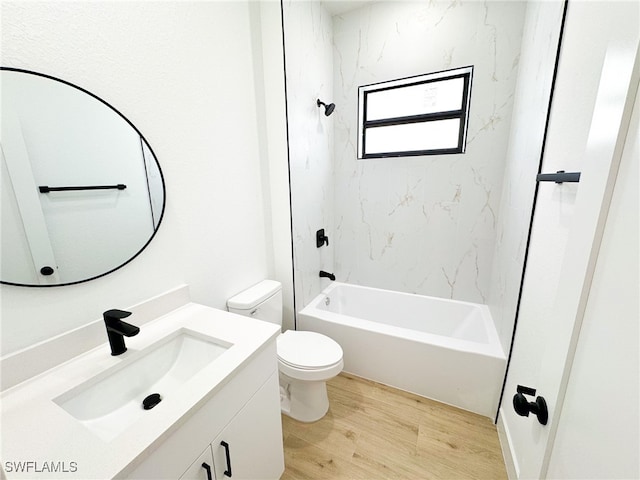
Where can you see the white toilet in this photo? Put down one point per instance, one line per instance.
(306, 360)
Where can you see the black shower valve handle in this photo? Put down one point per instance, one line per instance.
(321, 238)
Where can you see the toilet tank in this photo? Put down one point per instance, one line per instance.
(262, 301)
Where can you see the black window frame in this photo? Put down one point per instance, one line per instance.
(463, 113)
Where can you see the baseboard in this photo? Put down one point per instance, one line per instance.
(510, 461)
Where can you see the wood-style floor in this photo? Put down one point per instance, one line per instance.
(377, 432)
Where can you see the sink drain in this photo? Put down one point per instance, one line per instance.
(151, 401)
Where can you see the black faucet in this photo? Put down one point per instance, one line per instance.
(117, 330)
(328, 275)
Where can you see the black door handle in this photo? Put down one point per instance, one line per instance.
(208, 469)
(523, 407)
(227, 472)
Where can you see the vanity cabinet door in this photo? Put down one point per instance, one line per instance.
(202, 468)
(250, 446)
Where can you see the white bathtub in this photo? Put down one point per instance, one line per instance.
(442, 349)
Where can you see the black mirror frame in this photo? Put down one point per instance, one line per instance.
(164, 187)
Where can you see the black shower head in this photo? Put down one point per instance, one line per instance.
(328, 109)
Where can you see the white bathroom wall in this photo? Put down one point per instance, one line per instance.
(267, 38)
(309, 67)
(531, 102)
(424, 224)
(182, 72)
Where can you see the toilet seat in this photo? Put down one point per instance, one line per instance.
(308, 350)
(308, 355)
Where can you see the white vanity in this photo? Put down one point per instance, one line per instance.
(219, 416)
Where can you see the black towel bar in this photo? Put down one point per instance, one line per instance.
(559, 177)
(46, 189)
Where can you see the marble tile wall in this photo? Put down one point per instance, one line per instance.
(309, 76)
(423, 224)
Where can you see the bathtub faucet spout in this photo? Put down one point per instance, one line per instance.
(328, 275)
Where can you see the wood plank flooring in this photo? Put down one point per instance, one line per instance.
(377, 432)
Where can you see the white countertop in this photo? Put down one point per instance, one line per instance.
(35, 429)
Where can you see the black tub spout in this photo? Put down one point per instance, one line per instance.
(328, 275)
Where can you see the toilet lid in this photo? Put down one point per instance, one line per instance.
(308, 349)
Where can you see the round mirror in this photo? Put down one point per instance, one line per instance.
(82, 191)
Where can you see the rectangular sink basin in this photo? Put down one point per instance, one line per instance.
(113, 400)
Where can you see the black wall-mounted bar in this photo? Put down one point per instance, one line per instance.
(559, 177)
(46, 189)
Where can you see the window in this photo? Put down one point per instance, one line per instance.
(423, 115)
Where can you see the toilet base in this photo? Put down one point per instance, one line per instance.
(305, 401)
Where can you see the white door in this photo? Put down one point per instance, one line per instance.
(598, 435)
(27, 241)
(569, 218)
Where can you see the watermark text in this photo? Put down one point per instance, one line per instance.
(34, 466)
